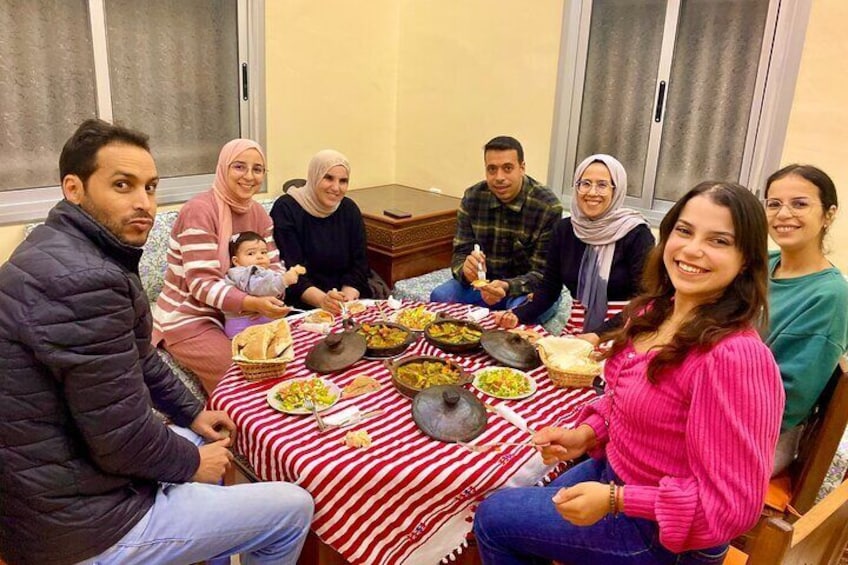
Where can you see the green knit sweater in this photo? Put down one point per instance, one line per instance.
(808, 331)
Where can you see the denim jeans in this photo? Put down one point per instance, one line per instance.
(522, 525)
(453, 292)
(191, 522)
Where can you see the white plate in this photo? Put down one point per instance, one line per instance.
(277, 405)
(478, 374)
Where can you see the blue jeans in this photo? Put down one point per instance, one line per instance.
(453, 292)
(191, 522)
(521, 525)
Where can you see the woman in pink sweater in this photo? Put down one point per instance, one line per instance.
(682, 442)
(188, 318)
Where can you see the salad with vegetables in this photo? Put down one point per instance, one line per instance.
(502, 382)
(295, 395)
(415, 318)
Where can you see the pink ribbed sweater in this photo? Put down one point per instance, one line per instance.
(695, 450)
(195, 293)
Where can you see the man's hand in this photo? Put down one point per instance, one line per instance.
(214, 460)
(564, 445)
(505, 319)
(214, 425)
(268, 306)
(469, 267)
(584, 503)
(494, 292)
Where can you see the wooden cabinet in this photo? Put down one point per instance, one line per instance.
(399, 248)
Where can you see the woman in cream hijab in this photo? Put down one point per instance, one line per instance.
(188, 317)
(597, 253)
(318, 227)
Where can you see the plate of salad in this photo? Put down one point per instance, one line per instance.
(504, 382)
(292, 396)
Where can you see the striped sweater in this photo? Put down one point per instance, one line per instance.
(695, 450)
(195, 293)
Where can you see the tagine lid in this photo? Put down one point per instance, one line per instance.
(449, 413)
(336, 352)
(510, 349)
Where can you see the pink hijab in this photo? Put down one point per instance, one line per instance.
(226, 199)
(320, 163)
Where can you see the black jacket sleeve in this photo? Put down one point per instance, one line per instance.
(357, 275)
(82, 328)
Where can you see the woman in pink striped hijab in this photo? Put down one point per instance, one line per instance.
(188, 318)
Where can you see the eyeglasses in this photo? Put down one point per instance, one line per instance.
(583, 186)
(242, 168)
(796, 206)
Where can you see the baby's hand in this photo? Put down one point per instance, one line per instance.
(292, 274)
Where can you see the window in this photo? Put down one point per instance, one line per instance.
(183, 72)
(680, 91)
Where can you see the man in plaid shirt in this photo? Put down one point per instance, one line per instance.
(510, 217)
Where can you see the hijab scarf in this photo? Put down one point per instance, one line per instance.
(600, 236)
(306, 195)
(227, 200)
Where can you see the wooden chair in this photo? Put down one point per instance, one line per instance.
(820, 440)
(818, 537)
(293, 182)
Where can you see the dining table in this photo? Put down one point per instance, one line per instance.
(407, 498)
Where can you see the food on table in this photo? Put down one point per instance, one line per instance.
(424, 374)
(454, 333)
(295, 395)
(503, 382)
(271, 341)
(569, 355)
(361, 384)
(356, 307)
(415, 318)
(530, 335)
(319, 317)
(382, 336)
(357, 439)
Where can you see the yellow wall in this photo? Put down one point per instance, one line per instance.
(818, 123)
(469, 71)
(331, 82)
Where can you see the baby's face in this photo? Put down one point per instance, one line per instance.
(252, 253)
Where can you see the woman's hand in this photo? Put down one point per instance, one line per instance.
(506, 319)
(350, 293)
(584, 503)
(563, 444)
(332, 301)
(592, 338)
(268, 306)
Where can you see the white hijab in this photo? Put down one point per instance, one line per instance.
(600, 236)
(320, 163)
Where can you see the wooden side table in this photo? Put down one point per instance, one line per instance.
(399, 248)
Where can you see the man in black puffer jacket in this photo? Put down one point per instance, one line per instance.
(86, 468)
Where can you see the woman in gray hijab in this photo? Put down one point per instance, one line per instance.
(597, 253)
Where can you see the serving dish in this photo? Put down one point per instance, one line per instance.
(288, 396)
(510, 349)
(385, 339)
(415, 318)
(454, 336)
(413, 374)
(504, 382)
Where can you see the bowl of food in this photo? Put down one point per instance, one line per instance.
(504, 382)
(415, 318)
(411, 375)
(385, 339)
(454, 336)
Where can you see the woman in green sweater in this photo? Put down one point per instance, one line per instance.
(808, 296)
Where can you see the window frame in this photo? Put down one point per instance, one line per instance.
(19, 206)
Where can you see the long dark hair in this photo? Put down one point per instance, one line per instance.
(742, 304)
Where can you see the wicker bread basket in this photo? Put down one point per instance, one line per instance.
(566, 378)
(258, 370)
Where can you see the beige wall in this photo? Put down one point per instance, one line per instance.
(818, 124)
(411, 90)
(331, 82)
(469, 71)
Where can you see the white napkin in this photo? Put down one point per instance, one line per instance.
(478, 314)
(318, 328)
(394, 303)
(342, 416)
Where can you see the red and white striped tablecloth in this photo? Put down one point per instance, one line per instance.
(408, 498)
(574, 325)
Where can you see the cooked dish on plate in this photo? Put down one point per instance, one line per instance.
(382, 336)
(454, 333)
(294, 396)
(415, 318)
(503, 382)
(424, 374)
